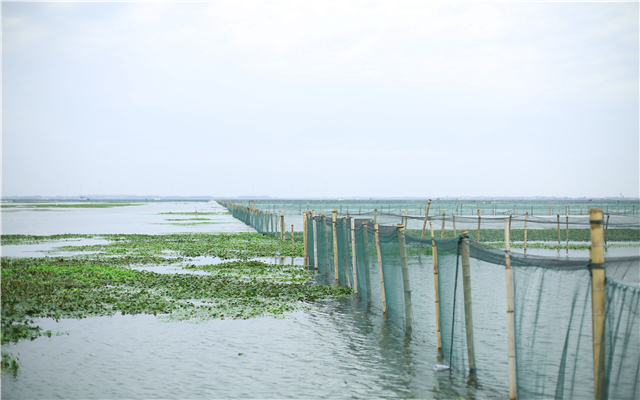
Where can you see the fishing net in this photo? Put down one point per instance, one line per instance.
(552, 295)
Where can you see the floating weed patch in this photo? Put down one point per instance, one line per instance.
(31, 239)
(247, 270)
(101, 283)
(9, 364)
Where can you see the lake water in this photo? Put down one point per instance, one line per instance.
(336, 349)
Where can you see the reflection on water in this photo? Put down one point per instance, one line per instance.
(338, 350)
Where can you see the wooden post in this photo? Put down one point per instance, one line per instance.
(384, 298)
(353, 255)
(334, 215)
(315, 239)
(305, 239)
(367, 276)
(479, 217)
(405, 278)
(436, 290)
(282, 227)
(375, 216)
(293, 246)
(453, 217)
(468, 314)
(511, 337)
(598, 299)
(442, 231)
(526, 217)
(567, 232)
(424, 226)
(606, 229)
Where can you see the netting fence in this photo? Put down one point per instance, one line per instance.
(451, 286)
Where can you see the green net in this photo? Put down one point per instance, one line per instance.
(310, 241)
(363, 263)
(622, 331)
(552, 295)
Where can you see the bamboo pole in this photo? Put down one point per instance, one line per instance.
(468, 314)
(424, 226)
(567, 232)
(336, 262)
(479, 218)
(513, 388)
(526, 217)
(453, 217)
(305, 238)
(326, 244)
(353, 255)
(384, 298)
(365, 243)
(282, 227)
(558, 215)
(442, 230)
(606, 229)
(315, 239)
(276, 219)
(598, 300)
(436, 289)
(375, 216)
(405, 278)
(293, 246)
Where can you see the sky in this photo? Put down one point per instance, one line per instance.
(320, 99)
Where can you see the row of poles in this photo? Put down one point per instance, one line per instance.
(597, 227)
(495, 209)
(597, 287)
(269, 223)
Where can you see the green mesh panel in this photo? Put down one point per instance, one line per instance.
(363, 267)
(323, 254)
(344, 253)
(622, 340)
(454, 348)
(340, 237)
(374, 275)
(348, 258)
(554, 357)
(392, 271)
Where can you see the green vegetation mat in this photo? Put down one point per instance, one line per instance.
(102, 283)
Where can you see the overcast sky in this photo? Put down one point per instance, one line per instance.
(310, 99)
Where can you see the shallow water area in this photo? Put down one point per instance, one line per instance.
(49, 248)
(338, 350)
(137, 218)
(207, 260)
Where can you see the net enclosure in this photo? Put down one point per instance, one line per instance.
(531, 326)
